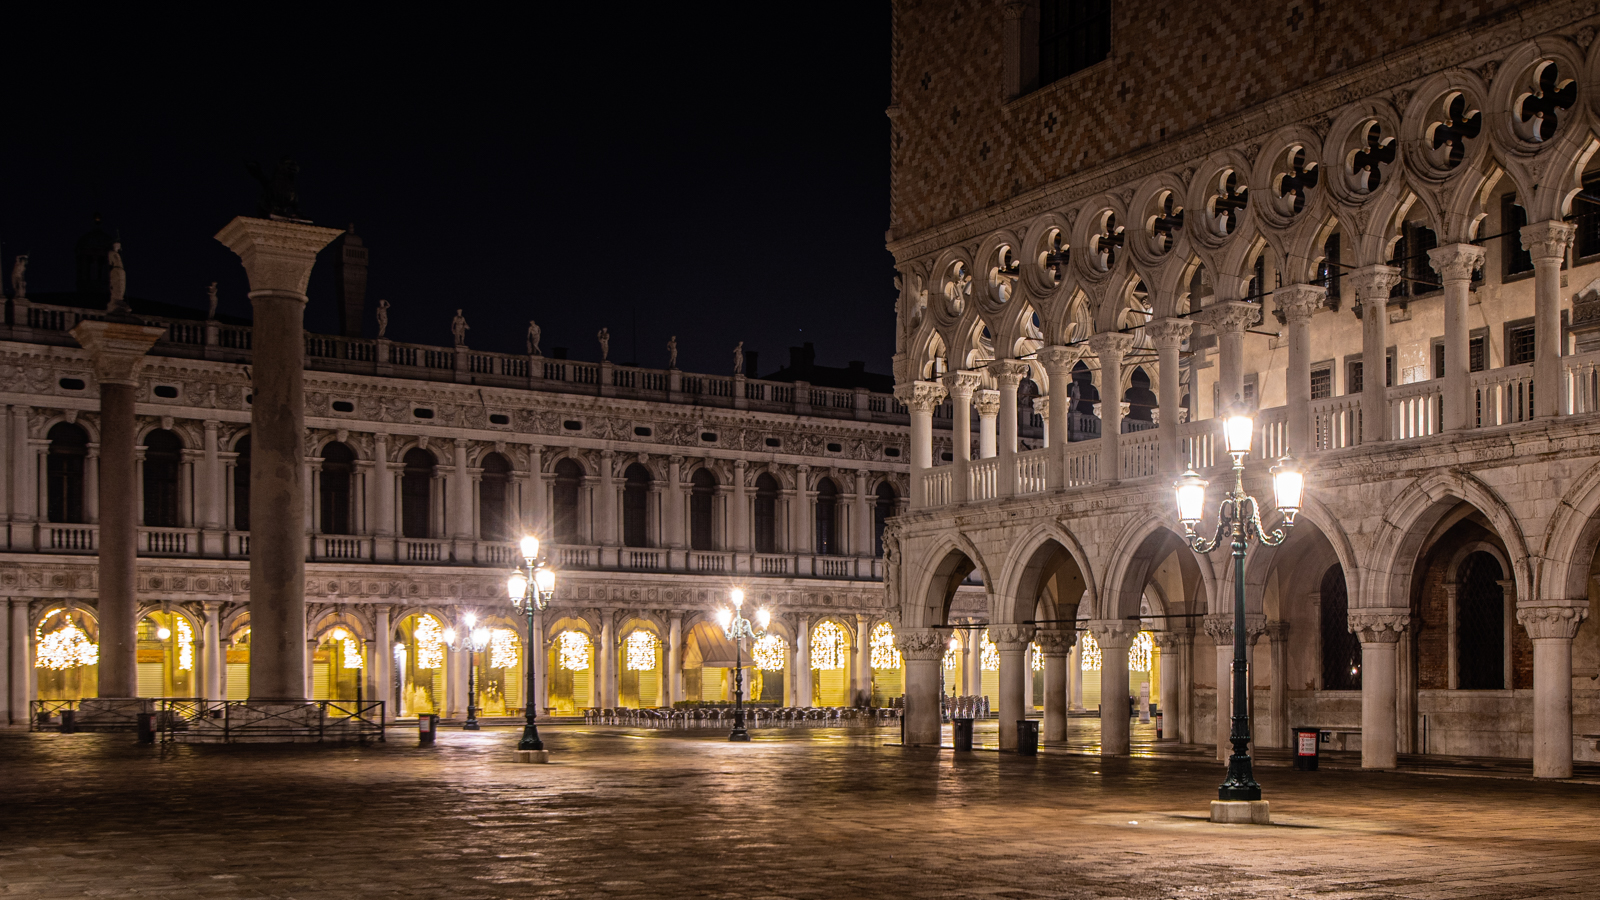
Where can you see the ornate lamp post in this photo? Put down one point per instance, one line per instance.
(531, 588)
(472, 639)
(1239, 519)
(737, 628)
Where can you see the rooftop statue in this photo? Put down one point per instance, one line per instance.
(119, 281)
(534, 333)
(604, 337)
(383, 317)
(19, 280)
(211, 301)
(458, 329)
(738, 359)
(672, 352)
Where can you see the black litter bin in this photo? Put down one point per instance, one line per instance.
(147, 728)
(961, 730)
(427, 728)
(69, 721)
(1027, 737)
(1306, 744)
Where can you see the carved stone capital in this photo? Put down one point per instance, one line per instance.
(1379, 626)
(921, 396)
(1372, 284)
(1277, 632)
(1171, 641)
(1011, 637)
(961, 384)
(1114, 634)
(1297, 302)
(1548, 240)
(1456, 262)
(1168, 334)
(1055, 642)
(1229, 316)
(118, 348)
(988, 404)
(1009, 372)
(1058, 361)
(277, 255)
(1220, 628)
(1110, 343)
(1552, 622)
(923, 644)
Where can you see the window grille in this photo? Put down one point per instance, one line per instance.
(1480, 624)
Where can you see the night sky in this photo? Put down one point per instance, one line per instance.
(694, 169)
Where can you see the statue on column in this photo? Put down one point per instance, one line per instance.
(604, 337)
(534, 333)
(672, 352)
(19, 279)
(458, 329)
(738, 359)
(383, 317)
(118, 279)
(211, 301)
(279, 198)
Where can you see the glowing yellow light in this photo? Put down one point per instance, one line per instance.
(503, 648)
(1036, 656)
(769, 653)
(572, 650)
(65, 648)
(429, 636)
(827, 646)
(1141, 653)
(641, 651)
(352, 652)
(989, 654)
(952, 656)
(1090, 652)
(185, 645)
(884, 653)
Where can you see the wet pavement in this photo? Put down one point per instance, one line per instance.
(798, 813)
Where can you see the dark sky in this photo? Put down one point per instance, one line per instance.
(695, 167)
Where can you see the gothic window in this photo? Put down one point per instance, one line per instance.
(702, 493)
(635, 506)
(494, 486)
(882, 509)
(766, 514)
(827, 518)
(1141, 400)
(1519, 342)
(163, 456)
(69, 448)
(241, 485)
(416, 493)
(564, 501)
(1480, 624)
(1512, 218)
(1073, 35)
(338, 466)
(1341, 650)
(1411, 256)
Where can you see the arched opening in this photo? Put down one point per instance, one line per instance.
(1464, 610)
(499, 677)
(416, 493)
(337, 665)
(766, 514)
(338, 469)
(1341, 649)
(69, 451)
(827, 518)
(571, 668)
(636, 507)
(163, 458)
(564, 501)
(770, 661)
(640, 683)
(1082, 423)
(831, 649)
(709, 659)
(494, 521)
(888, 669)
(66, 655)
(419, 670)
(236, 660)
(241, 485)
(882, 511)
(167, 655)
(702, 494)
(1481, 619)
(1141, 402)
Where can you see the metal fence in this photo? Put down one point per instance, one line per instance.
(240, 721)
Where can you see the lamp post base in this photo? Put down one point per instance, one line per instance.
(472, 725)
(533, 756)
(1241, 812)
(739, 735)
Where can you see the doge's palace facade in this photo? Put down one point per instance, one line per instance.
(1258, 203)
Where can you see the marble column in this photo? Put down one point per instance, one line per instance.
(1298, 302)
(1547, 242)
(606, 693)
(960, 385)
(25, 508)
(277, 257)
(1229, 319)
(1168, 335)
(606, 502)
(461, 499)
(1075, 677)
(861, 689)
(20, 689)
(1455, 264)
(1552, 628)
(539, 658)
(534, 518)
(1012, 643)
(802, 662)
(673, 513)
(1380, 631)
(1220, 628)
(211, 656)
(674, 677)
(974, 663)
(922, 651)
(800, 532)
(1115, 636)
(1371, 285)
(118, 350)
(920, 397)
(211, 493)
(1276, 734)
(1173, 699)
(988, 404)
(739, 519)
(381, 661)
(1056, 645)
(863, 531)
(1009, 373)
(1110, 346)
(382, 500)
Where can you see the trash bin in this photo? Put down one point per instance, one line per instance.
(961, 730)
(147, 728)
(1159, 717)
(1027, 737)
(427, 728)
(1306, 744)
(69, 721)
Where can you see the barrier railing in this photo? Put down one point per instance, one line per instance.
(983, 479)
(45, 715)
(238, 721)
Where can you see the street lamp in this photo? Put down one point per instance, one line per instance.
(737, 628)
(472, 639)
(531, 588)
(1239, 518)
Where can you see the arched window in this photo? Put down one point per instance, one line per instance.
(493, 488)
(1141, 400)
(564, 500)
(416, 494)
(1480, 624)
(338, 464)
(882, 510)
(69, 448)
(241, 485)
(163, 454)
(1341, 650)
(827, 518)
(766, 517)
(635, 507)
(702, 492)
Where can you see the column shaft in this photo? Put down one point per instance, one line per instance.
(1547, 242)
(1115, 637)
(119, 535)
(1013, 672)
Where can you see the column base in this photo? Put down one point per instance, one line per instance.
(1241, 812)
(532, 756)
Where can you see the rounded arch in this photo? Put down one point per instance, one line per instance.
(1046, 553)
(1410, 522)
(324, 623)
(1570, 542)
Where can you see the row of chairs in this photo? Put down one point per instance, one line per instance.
(722, 716)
